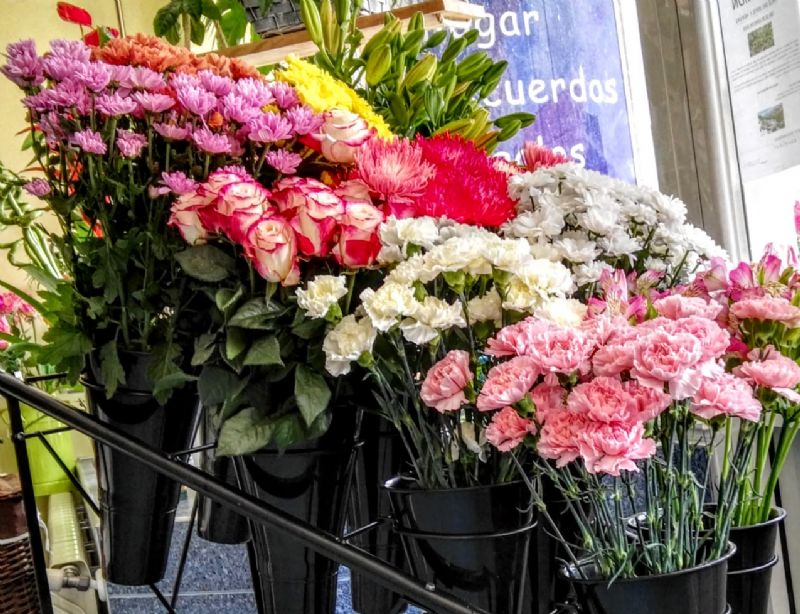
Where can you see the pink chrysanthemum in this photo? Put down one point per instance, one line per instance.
(38, 187)
(24, 67)
(283, 161)
(114, 105)
(394, 170)
(130, 144)
(155, 103)
(210, 142)
(89, 141)
(536, 156)
(468, 187)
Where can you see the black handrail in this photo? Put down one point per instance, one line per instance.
(335, 548)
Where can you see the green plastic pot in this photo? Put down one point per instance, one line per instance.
(47, 476)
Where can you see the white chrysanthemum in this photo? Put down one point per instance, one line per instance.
(387, 304)
(542, 223)
(346, 343)
(576, 249)
(486, 308)
(619, 243)
(590, 272)
(431, 316)
(321, 294)
(562, 311)
(602, 214)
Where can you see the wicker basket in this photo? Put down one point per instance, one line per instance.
(284, 15)
(17, 578)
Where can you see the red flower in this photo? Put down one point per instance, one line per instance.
(467, 187)
(100, 36)
(74, 14)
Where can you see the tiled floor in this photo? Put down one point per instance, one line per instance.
(216, 579)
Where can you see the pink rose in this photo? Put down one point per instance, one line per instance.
(272, 247)
(508, 429)
(238, 207)
(767, 308)
(662, 357)
(556, 349)
(650, 402)
(359, 242)
(342, 134)
(713, 339)
(189, 224)
(603, 399)
(507, 383)
(314, 210)
(611, 448)
(353, 191)
(725, 395)
(548, 397)
(676, 306)
(559, 437)
(443, 388)
(777, 371)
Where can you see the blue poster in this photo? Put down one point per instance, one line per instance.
(564, 66)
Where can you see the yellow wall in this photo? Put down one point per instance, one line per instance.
(37, 19)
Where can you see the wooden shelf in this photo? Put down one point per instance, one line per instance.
(274, 49)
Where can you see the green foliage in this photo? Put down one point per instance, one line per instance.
(191, 20)
(414, 79)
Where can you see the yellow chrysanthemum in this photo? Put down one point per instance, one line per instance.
(322, 92)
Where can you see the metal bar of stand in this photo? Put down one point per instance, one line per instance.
(75, 481)
(367, 527)
(160, 596)
(410, 588)
(45, 378)
(176, 587)
(784, 541)
(60, 429)
(29, 502)
(195, 450)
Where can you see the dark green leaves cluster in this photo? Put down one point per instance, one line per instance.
(191, 20)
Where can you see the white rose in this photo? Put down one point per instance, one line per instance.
(486, 308)
(346, 343)
(429, 317)
(562, 311)
(321, 294)
(388, 303)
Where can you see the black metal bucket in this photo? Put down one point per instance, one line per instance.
(311, 482)
(471, 542)
(381, 456)
(750, 569)
(699, 590)
(138, 504)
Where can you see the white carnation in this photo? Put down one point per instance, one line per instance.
(562, 311)
(486, 308)
(321, 294)
(431, 316)
(387, 304)
(346, 343)
(408, 271)
(465, 254)
(421, 231)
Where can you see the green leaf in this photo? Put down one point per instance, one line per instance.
(265, 351)
(210, 10)
(164, 386)
(226, 298)
(309, 329)
(216, 385)
(288, 431)
(204, 347)
(167, 17)
(244, 433)
(234, 23)
(206, 263)
(311, 392)
(165, 361)
(256, 314)
(194, 8)
(235, 342)
(111, 368)
(197, 30)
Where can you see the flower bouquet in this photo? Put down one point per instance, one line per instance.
(602, 402)
(758, 304)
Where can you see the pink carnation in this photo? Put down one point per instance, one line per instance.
(548, 397)
(603, 399)
(507, 383)
(559, 437)
(777, 371)
(611, 448)
(443, 388)
(676, 306)
(508, 429)
(662, 357)
(556, 349)
(650, 402)
(613, 359)
(725, 395)
(767, 308)
(713, 339)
